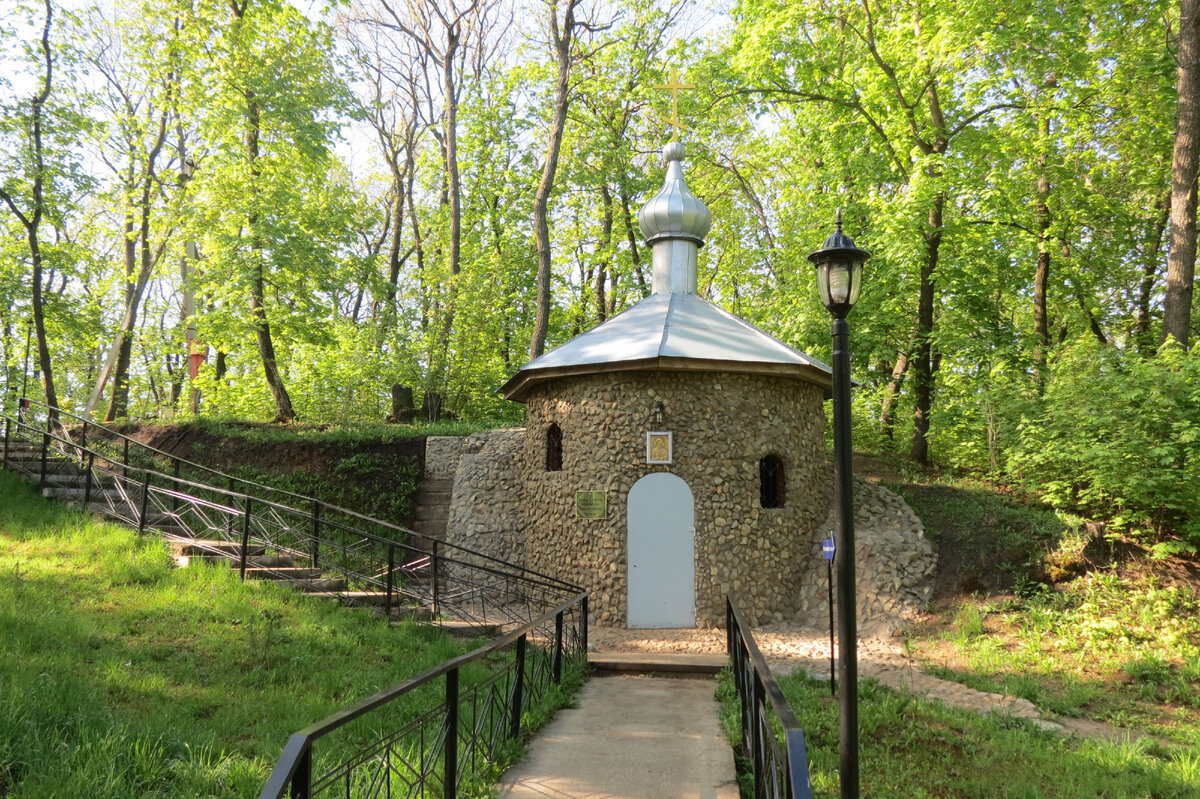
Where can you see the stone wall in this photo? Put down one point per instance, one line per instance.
(487, 506)
(441, 456)
(723, 424)
(895, 564)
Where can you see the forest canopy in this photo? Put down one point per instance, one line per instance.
(320, 206)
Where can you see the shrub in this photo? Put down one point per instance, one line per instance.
(1117, 437)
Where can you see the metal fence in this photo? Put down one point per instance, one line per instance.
(780, 771)
(437, 752)
(318, 547)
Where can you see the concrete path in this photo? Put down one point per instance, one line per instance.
(631, 737)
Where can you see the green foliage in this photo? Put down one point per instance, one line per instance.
(918, 748)
(1117, 436)
(122, 676)
(1121, 649)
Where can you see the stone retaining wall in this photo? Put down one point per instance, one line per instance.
(441, 456)
(491, 500)
(895, 564)
(487, 506)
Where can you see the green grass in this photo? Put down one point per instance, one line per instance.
(912, 748)
(122, 676)
(1124, 649)
(257, 431)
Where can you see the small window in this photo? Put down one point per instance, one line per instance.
(554, 448)
(772, 491)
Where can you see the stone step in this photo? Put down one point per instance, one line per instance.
(429, 529)
(78, 479)
(372, 598)
(469, 629)
(53, 466)
(213, 546)
(444, 485)
(683, 664)
(433, 497)
(432, 513)
(283, 573)
(79, 492)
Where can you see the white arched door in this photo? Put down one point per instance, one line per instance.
(660, 550)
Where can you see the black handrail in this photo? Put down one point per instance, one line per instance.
(474, 585)
(293, 770)
(230, 480)
(777, 774)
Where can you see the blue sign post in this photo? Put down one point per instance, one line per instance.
(828, 550)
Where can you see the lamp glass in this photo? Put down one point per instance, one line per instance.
(839, 282)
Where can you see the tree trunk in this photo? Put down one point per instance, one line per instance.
(1181, 261)
(887, 420)
(562, 42)
(923, 360)
(634, 253)
(1041, 278)
(1149, 273)
(606, 253)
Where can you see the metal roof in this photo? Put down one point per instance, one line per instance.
(672, 332)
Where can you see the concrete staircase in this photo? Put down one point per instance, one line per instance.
(433, 510)
(66, 480)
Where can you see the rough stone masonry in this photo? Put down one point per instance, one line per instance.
(495, 510)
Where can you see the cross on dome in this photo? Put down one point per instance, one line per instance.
(674, 87)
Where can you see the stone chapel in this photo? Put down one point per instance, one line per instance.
(670, 455)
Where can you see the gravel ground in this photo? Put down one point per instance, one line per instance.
(787, 647)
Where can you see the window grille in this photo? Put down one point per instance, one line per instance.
(554, 448)
(772, 492)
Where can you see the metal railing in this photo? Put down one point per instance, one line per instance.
(114, 475)
(780, 772)
(436, 752)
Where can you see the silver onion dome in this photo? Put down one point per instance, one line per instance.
(674, 212)
(674, 222)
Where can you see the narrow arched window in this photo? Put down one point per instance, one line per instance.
(772, 485)
(554, 448)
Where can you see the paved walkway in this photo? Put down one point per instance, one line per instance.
(631, 737)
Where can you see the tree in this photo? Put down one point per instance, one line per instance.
(24, 192)
(563, 39)
(139, 94)
(266, 100)
(1185, 164)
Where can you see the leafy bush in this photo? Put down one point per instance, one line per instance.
(1118, 437)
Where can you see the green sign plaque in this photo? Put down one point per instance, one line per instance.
(591, 504)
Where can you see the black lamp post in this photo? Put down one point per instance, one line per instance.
(839, 277)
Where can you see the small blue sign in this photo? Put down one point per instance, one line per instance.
(828, 548)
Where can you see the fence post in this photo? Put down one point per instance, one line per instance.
(302, 778)
(760, 741)
(42, 473)
(558, 646)
(175, 499)
(83, 440)
(518, 697)
(583, 626)
(391, 568)
(87, 481)
(434, 561)
(125, 452)
(245, 539)
(451, 774)
(316, 533)
(145, 496)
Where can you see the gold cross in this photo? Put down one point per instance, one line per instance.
(674, 88)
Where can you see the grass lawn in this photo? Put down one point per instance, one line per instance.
(122, 676)
(1115, 638)
(910, 748)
